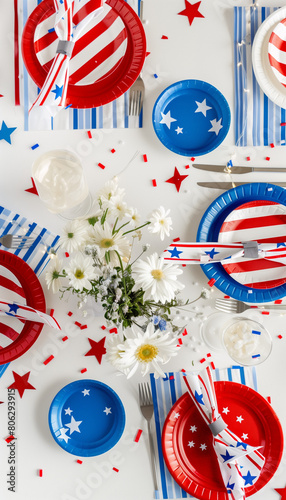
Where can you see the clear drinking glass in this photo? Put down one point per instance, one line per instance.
(61, 184)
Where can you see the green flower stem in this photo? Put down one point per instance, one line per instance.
(114, 227)
(122, 271)
(136, 228)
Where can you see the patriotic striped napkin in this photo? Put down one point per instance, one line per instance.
(257, 118)
(111, 115)
(165, 393)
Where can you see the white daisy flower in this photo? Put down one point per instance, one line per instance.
(115, 347)
(146, 351)
(118, 207)
(81, 271)
(52, 276)
(134, 216)
(160, 222)
(109, 191)
(106, 241)
(74, 237)
(157, 278)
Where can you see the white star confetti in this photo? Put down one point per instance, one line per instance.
(203, 447)
(107, 411)
(193, 428)
(86, 392)
(239, 419)
(216, 126)
(179, 130)
(225, 410)
(68, 411)
(191, 444)
(167, 119)
(74, 425)
(63, 434)
(202, 107)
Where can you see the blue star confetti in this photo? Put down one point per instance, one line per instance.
(5, 132)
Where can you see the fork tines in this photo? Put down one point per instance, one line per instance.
(145, 396)
(226, 305)
(135, 102)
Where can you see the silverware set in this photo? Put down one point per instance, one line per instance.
(235, 306)
(147, 410)
(14, 241)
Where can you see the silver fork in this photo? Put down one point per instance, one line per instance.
(147, 410)
(14, 241)
(235, 306)
(137, 89)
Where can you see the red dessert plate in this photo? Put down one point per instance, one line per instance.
(106, 60)
(32, 292)
(187, 440)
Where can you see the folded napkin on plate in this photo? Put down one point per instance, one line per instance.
(204, 253)
(25, 312)
(236, 459)
(70, 20)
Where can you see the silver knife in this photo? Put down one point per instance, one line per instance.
(237, 170)
(230, 185)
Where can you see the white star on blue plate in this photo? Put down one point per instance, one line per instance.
(107, 410)
(68, 411)
(167, 119)
(202, 107)
(74, 425)
(216, 126)
(63, 434)
(86, 392)
(179, 130)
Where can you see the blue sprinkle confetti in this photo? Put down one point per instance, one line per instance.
(155, 75)
(51, 30)
(35, 146)
(256, 332)
(256, 356)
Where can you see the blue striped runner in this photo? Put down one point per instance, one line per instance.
(257, 118)
(165, 393)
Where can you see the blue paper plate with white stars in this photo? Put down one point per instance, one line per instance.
(86, 418)
(191, 117)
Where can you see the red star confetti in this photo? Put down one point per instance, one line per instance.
(33, 189)
(282, 492)
(21, 383)
(97, 349)
(177, 179)
(191, 11)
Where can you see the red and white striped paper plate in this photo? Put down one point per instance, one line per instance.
(277, 51)
(107, 57)
(262, 221)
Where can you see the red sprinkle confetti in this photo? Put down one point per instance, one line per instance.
(180, 341)
(145, 158)
(138, 435)
(212, 365)
(282, 124)
(154, 182)
(184, 265)
(187, 166)
(48, 360)
(40, 472)
(113, 330)
(77, 323)
(185, 332)
(208, 355)
(70, 313)
(79, 461)
(113, 150)
(164, 37)
(103, 327)
(278, 301)
(67, 254)
(202, 360)
(271, 145)
(65, 338)
(268, 398)
(193, 159)
(171, 377)
(83, 370)
(280, 336)
(83, 327)
(116, 470)
(147, 54)
(265, 312)
(183, 370)
(211, 282)
(33, 189)
(176, 239)
(89, 134)
(226, 297)
(52, 312)
(267, 158)
(248, 158)
(101, 166)
(10, 438)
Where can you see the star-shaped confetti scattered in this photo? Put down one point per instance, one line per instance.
(216, 126)
(199, 398)
(191, 11)
(33, 189)
(21, 383)
(175, 252)
(68, 411)
(248, 478)
(167, 119)
(225, 410)
(177, 179)
(63, 434)
(193, 428)
(282, 492)
(191, 444)
(239, 419)
(58, 91)
(5, 132)
(203, 446)
(97, 349)
(202, 107)
(86, 392)
(74, 425)
(211, 253)
(107, 411)
(227, 456)
(179, 130)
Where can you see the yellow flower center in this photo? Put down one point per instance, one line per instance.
(146, 353)
(79, 274)
(161, 222)
(106, 242)
(157, 274)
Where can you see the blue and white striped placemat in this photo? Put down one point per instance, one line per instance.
(109, 116)
(257, 118)
(165, 393)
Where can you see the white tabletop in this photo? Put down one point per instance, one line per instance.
(203, 51)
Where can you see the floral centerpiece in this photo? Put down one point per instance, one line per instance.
(97, 262)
